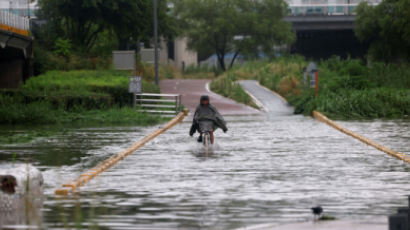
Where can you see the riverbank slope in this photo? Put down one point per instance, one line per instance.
(348, 89)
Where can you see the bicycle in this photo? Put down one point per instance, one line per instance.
(206, 140)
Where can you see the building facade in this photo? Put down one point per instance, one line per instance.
(22, 8)
(325, 7)
(174, 53)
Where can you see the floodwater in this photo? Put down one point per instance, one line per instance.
(267, 169)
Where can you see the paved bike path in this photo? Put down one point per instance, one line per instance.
(273, 104)
(191, 91)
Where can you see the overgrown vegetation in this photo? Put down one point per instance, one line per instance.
(92, 97)
(385, 28)
(16, 136)
(46, 60)
(200, 72)
(228, 86)
(87, 26)
(81, 34)
(348, 89)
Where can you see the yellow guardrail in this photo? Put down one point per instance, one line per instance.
(365, 140)
(14, 30)
(14, 23)
(97, 170)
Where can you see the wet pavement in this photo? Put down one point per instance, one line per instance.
(192, 90)
(268, 169)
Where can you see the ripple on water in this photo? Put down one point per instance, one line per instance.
(263, 170)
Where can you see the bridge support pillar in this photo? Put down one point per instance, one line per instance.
(16, 53)
(12, 74)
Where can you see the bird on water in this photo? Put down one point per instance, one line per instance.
(317, 211)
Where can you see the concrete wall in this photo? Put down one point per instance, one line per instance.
(124, 59)
(163, 53)
(183, 56)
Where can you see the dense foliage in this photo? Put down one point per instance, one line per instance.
(81, 34)
(240, 27)
(85, 23)
(386, 28)
(74, 96)
(348, 89)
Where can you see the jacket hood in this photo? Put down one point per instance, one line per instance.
(204, 98)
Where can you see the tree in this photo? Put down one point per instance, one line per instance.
(244, 27)
(136, 22)
(82, 21)
(386, 28)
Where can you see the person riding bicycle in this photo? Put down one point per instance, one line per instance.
(207, 119)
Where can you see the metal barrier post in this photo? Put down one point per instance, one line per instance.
(176, 104)
(165, 104)
(179, 101)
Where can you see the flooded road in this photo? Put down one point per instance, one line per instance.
(267, 169)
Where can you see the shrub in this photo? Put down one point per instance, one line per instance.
(62, 47)
(228, 87)
(63, 59)
(48, 98)
(347, 88)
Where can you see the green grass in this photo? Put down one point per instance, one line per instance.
(227, 86)
(60, 119)
(327, 218)
(84, 96)
(113, 116)
(199, 72)
(16, 137)
(88, 88)
(348, 89)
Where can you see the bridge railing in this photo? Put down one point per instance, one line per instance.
(324, 9)
(14, 23)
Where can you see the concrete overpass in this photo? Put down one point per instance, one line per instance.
(326, 29)
(16, 50)
(321, 22)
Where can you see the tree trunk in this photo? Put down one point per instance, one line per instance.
(221, 60)
(233, 59)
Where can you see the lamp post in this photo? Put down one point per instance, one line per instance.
(156, 41)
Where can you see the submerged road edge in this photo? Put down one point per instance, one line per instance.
(399, 155)
(322, 118)
(97, 170)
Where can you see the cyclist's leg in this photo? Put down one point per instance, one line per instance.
(211, 135)
(200, 139)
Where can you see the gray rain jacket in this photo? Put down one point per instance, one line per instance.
(209, 113)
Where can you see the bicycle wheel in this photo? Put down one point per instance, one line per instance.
(207, 141)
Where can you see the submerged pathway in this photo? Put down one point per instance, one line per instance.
(276, 107)
(191, 91)
(267, 169)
